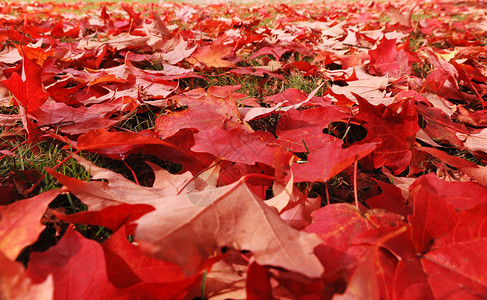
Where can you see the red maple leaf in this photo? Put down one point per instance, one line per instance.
(27, 88)
(393, 128)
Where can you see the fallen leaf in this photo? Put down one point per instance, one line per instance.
(112, 217)
(127, 266)
(226, 279)
(338, 225)
(236, 145)
(276, 52)
(15, 284)
(179, 53)
(372, 89)
(126, 41)
(304, 139)
(474, 141)
(27, 88)
(71, 120)
(478, 173)
(226, 213)
(400, 15)
(20, 223)
(72, 256)
(213, 56)
(462, 195)
(115, 144)
(327, 162)
(229, 216)
(393, 128)
(170, 124)
(451, 275)
(391, 199)
(258, 285)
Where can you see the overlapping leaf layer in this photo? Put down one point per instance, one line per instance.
(270, 151)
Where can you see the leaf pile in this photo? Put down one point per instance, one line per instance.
(260, 151)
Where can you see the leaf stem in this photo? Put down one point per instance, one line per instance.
(198, 174)
(133, 173)
(327, 194)
(355, 194)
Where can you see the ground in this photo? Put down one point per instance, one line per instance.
(243, 150)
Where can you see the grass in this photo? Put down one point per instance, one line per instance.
(26, 172)
(303, 83)
(142, 118)
(255, 86)
(33, 159)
